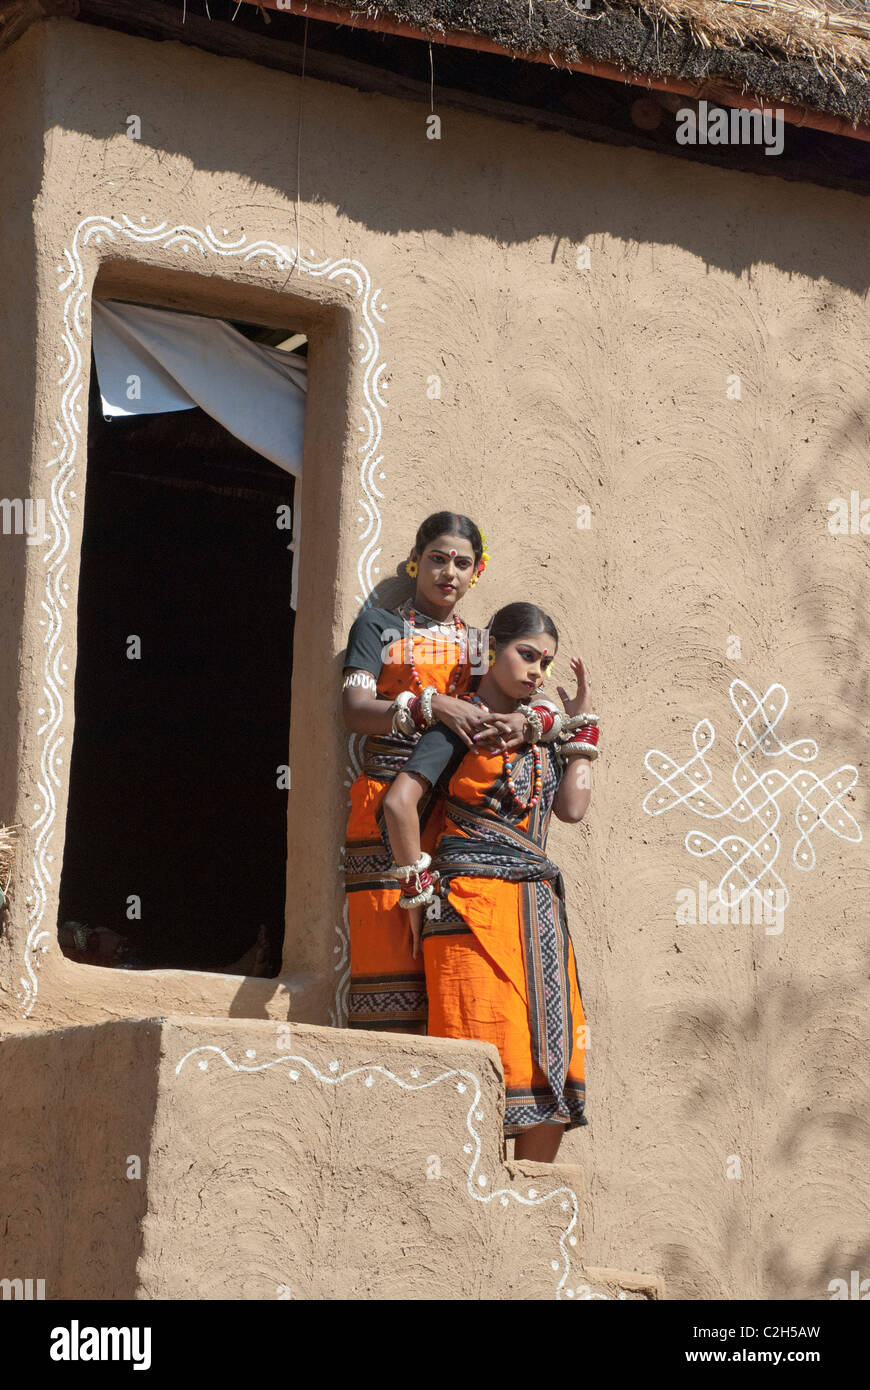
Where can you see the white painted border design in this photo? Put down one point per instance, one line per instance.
(62, 470)
(475, 1182)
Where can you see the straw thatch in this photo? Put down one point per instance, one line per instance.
(8, 839)
(836, 37)
(812, 55)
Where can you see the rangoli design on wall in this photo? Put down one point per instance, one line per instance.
(752, 857)
(93, 232)
(478, 1182)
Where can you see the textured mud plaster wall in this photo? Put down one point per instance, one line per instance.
(248, 1159)
(715, 1049)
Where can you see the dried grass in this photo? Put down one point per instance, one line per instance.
(8, 843)
(832, 36)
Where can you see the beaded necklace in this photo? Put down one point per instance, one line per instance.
(509, 767)
(410, 616)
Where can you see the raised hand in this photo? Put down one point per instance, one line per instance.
(581, 702)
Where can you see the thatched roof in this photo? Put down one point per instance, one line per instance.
(814, 55)
(8, 840)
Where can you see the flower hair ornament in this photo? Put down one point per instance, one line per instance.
(412, 569)
(483, 561)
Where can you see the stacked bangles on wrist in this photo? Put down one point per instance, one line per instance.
(577, 734)
(419, 883)
(545, 721)
(411, 713)
(582, 740)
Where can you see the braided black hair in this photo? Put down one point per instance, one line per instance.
(449, 524)
(517, 620)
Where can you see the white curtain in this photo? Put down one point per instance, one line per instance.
(153, 360)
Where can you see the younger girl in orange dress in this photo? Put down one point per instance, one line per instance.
(404, 670)
(499, 962)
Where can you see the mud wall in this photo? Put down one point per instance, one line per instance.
(648, 382)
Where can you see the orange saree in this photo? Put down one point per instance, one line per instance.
(499, 961)
(387, 985)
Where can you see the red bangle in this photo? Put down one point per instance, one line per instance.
(416, 883)
(587, 733)
(546, 717)
(423, 877)
(416, 713)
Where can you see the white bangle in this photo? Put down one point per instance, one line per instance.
(403, 722)
(363, 678)
(427, 896)
(535, 723)
(406, 870)
(580, 750)
(426, 704)
(576, 721)
(558, 719)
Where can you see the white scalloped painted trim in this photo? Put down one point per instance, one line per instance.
(476, 1182)
(95, 230)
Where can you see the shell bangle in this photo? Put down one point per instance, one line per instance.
(558, 719)
(576, 721)
(426, 894)
(535, 723)
(406, 870)
(403, 721)
(426, 699)
(578, 749)
(419, 883)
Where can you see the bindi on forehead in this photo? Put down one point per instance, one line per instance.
(542, 652)
(454, 546)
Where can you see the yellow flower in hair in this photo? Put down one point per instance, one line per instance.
(484, 558)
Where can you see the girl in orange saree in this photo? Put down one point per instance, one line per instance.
(498, 958)
(403, 670)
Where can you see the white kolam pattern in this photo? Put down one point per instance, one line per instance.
(476, 1182)
(96, 231)
(752, 860)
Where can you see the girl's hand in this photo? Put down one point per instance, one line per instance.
(504, 732)
(581, 702)
(464, 718)
(415, 922)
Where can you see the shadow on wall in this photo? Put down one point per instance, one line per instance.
(628, 194)
(249, 1002)
(793, 1038)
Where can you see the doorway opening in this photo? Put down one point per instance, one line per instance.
(176, 832)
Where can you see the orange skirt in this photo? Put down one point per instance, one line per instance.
(387, 985)
(476, 982)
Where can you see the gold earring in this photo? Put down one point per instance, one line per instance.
(412, 569)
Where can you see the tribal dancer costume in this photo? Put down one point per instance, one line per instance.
(499, 961)
(387, 985)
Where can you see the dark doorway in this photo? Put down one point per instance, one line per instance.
(174, 772)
